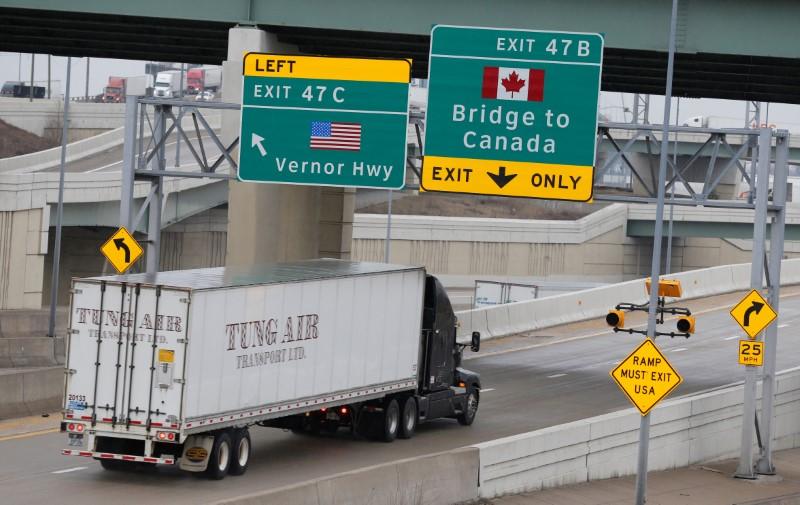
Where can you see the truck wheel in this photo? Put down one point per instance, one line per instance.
(220, 458)
(391, 421)
(409, 420)
(467, 416)
(241, 451)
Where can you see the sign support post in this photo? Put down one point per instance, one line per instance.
(764, 465)
(51, 330)
(745, 469)
(644, 426)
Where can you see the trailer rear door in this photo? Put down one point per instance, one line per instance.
(126, 354)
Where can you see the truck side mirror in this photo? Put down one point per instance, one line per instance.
(476, 341)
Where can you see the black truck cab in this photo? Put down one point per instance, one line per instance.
(446, 389)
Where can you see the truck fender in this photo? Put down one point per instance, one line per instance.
(196, 450)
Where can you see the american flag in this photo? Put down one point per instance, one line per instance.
(335, 136)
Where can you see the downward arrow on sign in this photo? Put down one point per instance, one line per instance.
(256, 142)
(501, 179)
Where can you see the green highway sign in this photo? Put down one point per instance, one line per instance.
(512, 112)
(324, 121)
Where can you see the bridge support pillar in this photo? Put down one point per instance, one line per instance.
(273, 222)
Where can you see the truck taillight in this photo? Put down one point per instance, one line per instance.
(76, 427)
(165, 436)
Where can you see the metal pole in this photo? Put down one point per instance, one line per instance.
(668, 268)
(128, 164)
(745, 468)
(178, 133)
(644, 426)
(51, 330)
(48, 77)
(754, 150)
(86, 92)
(33, 57)
(154, 211)
(388, 246)
(764, 465)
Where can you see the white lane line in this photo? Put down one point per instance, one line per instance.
(783, 325)
(556, 375)
(486, 390)
(679, 349)
(731, 338)
(68, 470)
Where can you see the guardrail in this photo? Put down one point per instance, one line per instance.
(518, 317)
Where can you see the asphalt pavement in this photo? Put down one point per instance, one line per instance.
(530, 381)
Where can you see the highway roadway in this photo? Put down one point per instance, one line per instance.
(110, 160)
(530, 381)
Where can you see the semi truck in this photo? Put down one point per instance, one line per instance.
(119, 87)
(174, 368)
(167, 84)
(203, 79)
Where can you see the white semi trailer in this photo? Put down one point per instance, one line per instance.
(173, 368)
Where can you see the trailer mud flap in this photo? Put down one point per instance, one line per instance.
(196, 450)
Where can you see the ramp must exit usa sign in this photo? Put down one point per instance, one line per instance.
(512, 112)
(646, 376)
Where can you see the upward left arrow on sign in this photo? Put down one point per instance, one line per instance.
(256, 141)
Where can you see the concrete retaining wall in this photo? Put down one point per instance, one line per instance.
(27, 392)
(685, 431)
(694, 429)
(445, 478)
(508, 319)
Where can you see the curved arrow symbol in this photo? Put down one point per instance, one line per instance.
(500, 178)
(120, 243)
(755, 307)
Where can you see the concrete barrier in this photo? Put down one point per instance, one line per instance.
(508, 319)
(51, 157)
(436, 479)
(41, 160)
(694, 429)
(26, 392)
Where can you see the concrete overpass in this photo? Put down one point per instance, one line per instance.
(722, 50)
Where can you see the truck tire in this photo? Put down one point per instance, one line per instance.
(391, 421)
(408, 422)
(219, 461)
(240, 456)
(467, 416)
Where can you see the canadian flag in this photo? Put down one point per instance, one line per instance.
(506, 83)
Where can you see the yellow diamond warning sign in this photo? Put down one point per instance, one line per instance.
(646, 376)
(121, 250)
(753, 313)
